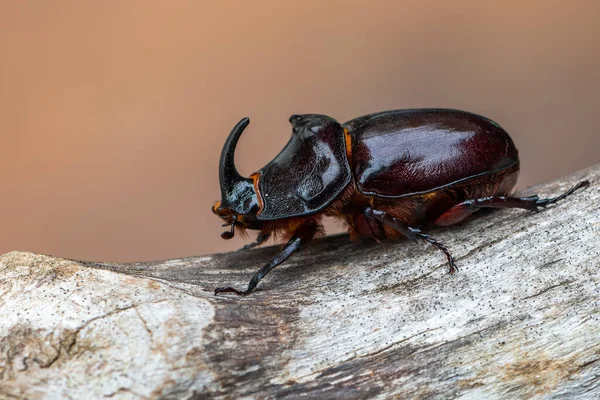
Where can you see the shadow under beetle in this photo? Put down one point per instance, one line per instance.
(386, 175)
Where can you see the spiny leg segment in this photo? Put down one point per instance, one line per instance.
(411, 233)
(462, 210)
(302, 235)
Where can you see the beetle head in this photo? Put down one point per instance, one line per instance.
(239, 202)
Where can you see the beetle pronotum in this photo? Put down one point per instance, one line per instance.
(386, 175)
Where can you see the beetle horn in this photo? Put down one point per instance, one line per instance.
(228, 174)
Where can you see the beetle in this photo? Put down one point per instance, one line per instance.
(386, 175)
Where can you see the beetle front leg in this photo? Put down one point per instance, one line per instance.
(411, 233)
(302, 235)
(260, 239)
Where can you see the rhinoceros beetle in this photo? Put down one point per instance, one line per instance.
(386, 175)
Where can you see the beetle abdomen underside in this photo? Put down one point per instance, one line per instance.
(408, 152)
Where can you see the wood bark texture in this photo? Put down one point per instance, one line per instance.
(521, 319)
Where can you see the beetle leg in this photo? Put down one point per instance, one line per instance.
(460, 211)
(302, 235)
(411, 233)
(260, 239)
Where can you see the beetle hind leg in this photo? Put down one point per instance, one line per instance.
(411, 233)
(462, 210)
(551, 200)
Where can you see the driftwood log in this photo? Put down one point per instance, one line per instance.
(521, 318)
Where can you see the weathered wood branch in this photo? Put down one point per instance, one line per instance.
(339, 320)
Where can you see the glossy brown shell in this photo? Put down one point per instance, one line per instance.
(309, 173)
(409, 152)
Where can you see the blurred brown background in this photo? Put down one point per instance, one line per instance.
(113, 114)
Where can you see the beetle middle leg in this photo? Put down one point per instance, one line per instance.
(411, 233)
(460, 211)
(303, 234)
